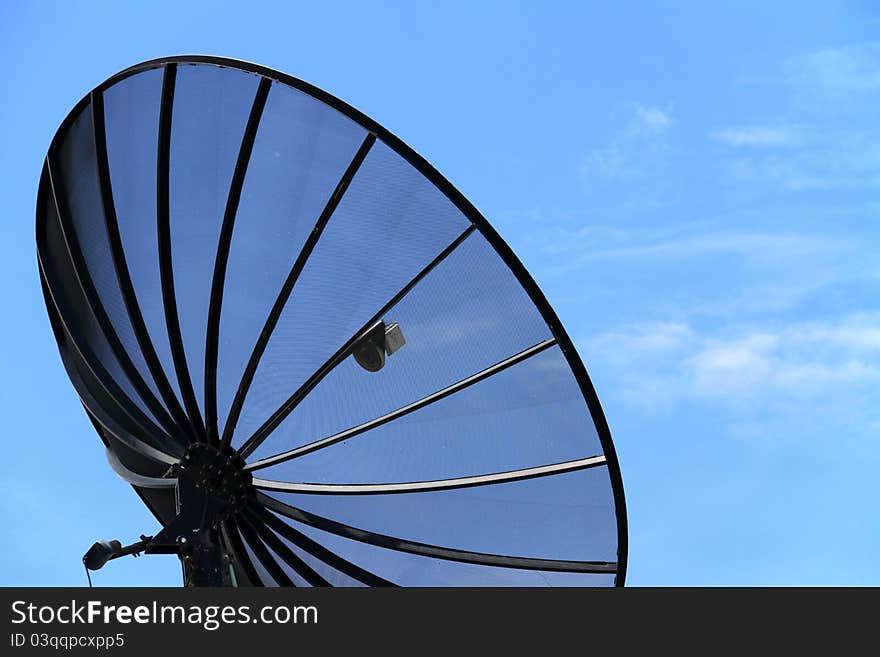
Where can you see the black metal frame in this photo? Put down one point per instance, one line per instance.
(400, 412)
(284, 295)
(123, 275)
(90, 294)
(79, 359)
(212, 338)
(257, 521)
(166, 270)
(437, 484)
(317, 550)
(433, 551)
(287, 407)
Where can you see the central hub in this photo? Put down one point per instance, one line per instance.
(217, 473)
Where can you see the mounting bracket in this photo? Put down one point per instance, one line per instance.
(210, 485)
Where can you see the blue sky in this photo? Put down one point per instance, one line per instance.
(694, 188)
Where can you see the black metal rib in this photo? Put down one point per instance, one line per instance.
(224, 242)
(123, 275)
(287, 288)
(166, 270)
(434, 485)
(278, 416)
(404, 410)
(285, 553)
(93, 300)
(249, 533)
(229, 532)
(165, 450)
(317, 550)
(433, 551)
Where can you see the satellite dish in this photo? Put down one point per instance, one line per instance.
(309, 354)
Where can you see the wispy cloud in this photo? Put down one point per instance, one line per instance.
(602, 162)
(805, 362)
(837, 73)
(742, 265)
(648, 121)
(794, 362)
(625, 154)
(711, 312)
(755, 135)
(677, 243)
(828, 143)
(849, 161)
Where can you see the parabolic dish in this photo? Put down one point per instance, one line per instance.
(237, 263)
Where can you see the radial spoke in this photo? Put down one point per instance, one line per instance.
(229, 532)
(90, 294)
(433, 551)
(287, 288)
(110, 430)
(262, 553)
(285, 553)
(60, 315)
(224, 242)
(166, 269)
(123, 275)
(426, 486)
(342, 353)
(404, 410)
(319, 551)
(81, 356)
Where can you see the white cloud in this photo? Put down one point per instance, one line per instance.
(648, 121)
(831, 145)
(761, 364)
(805, 362)
(602, 162)
(837, 73)
(654, 340)
(754, 135)
(674, 244)
(626, 153)
(838, 156)
(851, 162)
(853, 336)
(663, 336)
